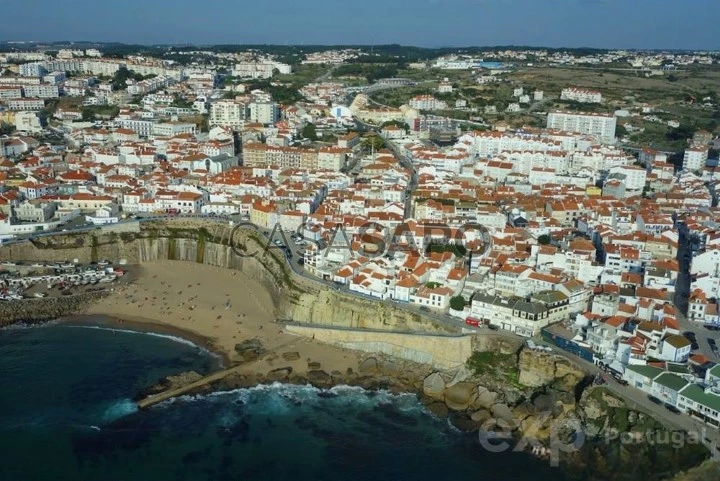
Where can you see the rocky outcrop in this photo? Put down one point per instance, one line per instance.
(291, 356)
(281, 374)
(460, 396)
(45, 309)
(171, 382)
(707, 471)
(539, 369)
(369, 366)
(485, 398)
(249, 350)
(434, 386)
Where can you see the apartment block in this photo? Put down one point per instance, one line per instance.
(228, 113)
(695, 158)
(599, 125)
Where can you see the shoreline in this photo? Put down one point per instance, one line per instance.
(147, 326)
(384, 379)
(224, 311)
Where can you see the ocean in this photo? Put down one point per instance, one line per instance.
(66, 413)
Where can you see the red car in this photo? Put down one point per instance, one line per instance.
(472, 322)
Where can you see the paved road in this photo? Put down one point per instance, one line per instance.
(324, 77)
(638, 400)
(406, 162)
(701, 334)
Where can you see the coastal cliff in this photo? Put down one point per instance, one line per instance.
(295, 297)
(531, 392)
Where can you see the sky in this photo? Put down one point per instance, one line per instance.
(641, 24)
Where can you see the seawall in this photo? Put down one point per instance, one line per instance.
(441, 352)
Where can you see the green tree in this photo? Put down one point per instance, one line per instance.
(620, 131)
(397, 123)
(373, 141)
(544, 240)
(6, 129)
(182, 103)
(309, 131)
(119, 80)
(457, 303)
(681, 133)
(88, 115)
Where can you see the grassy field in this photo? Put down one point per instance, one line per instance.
(673, 96)
(302, 74)
(619, 84)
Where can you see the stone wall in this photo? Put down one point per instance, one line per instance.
(441, 352)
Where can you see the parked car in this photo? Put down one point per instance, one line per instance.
(672, 408)
(653, 399)
(425, 308)
(493, 327)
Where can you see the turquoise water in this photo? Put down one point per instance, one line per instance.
(66, 413)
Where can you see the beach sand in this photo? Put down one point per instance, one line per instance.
(216, 308)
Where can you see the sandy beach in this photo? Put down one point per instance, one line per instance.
(216, 308)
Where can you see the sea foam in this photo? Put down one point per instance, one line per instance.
(169, 337)
(278, 398)
(119, 409)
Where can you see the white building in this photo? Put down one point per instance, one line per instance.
(332, 158)
(42, 91)
(266, 113)
(171, 129)
(581, 95)
(445, 87)
(10, 92)
(632, 176)
(28, 122)
(695, 158)
(34, 69)
(600, 125)
(518, 315)
(261, 69)
(26, 104)
(143, 128)
(426, 102)
(54, 78)
(107, 214)
(228, 113)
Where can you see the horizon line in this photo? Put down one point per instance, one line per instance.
(356, 45)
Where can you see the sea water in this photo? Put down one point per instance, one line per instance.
(66, 413)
